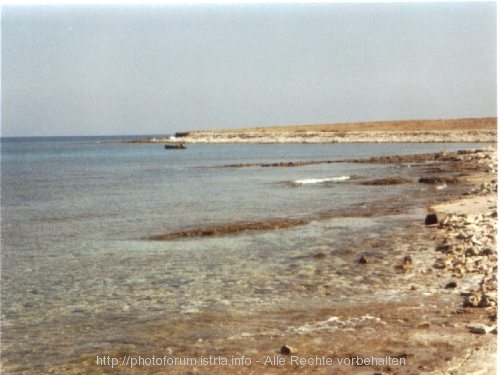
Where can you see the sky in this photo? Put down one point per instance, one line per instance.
(157, 69)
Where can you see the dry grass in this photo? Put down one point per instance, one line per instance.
(488, 123)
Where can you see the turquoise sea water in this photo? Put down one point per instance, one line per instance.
(76, 213)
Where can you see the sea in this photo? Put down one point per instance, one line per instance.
(80, 275)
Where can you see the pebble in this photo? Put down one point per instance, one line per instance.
(439, 265)
(475, 241)
(451, 284)
(470, 252)
(445, 248)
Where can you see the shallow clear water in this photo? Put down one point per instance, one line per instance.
(76, 212)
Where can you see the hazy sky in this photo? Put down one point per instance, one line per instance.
(95, 70)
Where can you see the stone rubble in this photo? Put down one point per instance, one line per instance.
(467, 247)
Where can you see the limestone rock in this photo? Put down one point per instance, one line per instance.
(484, 302)
(487, 252)
(470, 252)
(479, 328)
(470, 301)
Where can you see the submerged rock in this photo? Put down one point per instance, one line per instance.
(407, 259)
(286, 349)
(230, 228)
(479, 328)
(405, 264)
(320, 255)
(387, 181)
(438, 180)
(364, 259)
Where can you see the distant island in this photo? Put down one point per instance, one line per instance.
(470, 130)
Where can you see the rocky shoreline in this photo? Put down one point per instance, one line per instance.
(475, 136)
(474, 130)
(466, 253)
(444, 320)
(424, 291)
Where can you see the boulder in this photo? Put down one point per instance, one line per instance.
(431, 219)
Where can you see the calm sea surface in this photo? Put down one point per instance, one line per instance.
(76, 212)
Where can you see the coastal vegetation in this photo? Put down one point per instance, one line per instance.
(464, 124)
